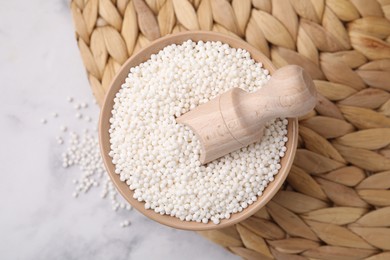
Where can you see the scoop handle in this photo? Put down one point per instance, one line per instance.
(289, 93)
(237, 118)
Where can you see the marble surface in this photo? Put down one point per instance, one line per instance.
(39, 67)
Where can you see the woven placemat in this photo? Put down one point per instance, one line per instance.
(335, 203)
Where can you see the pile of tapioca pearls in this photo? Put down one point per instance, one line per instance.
(159, 159)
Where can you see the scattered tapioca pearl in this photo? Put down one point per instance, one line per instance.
(83, 151)
(60, 140)
(125, 223)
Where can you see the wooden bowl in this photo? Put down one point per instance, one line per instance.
(104, 137)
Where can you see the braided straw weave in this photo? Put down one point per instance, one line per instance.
(336, 201)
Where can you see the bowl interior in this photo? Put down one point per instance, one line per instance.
(104, 138)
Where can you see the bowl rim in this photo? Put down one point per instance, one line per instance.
(104, 137)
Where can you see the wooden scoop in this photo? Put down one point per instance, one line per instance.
(237, 118)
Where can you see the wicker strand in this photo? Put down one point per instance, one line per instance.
(335, 203)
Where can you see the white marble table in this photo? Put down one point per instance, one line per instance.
(39, 67)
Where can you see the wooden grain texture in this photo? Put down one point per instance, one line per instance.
(364, 118)
(186, 15)
(367, 98)
(291, 57)
(373, 25)
(380, 256)
(146, 20)
(306, 46)
(253, 241)
(248, 254)
(365, 159)
(341, 195)
(377, 181)
(328, 127)
(289, 93)
(318, 144)
(293, 245)
(351, 65)
(348, 176)
(375, 218)
(290, 222)
(375, 197)
(265, 228)
(338, 253)
(381, 65)
(315, 163)
(375, 78)
(130, 28)
(273, 30)
(371, 139)
(336, 215)
(299, 202)
(255, 37)
(352, 58)
(334, 91)
(336, 70)
(228, 237)
(372, 47)
(344, 9)
(282, 256)
(325, 107)
(377, 237)
(166, 18)
(336, 235)
(223, 14)
(304, 183)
